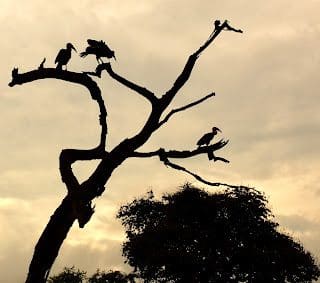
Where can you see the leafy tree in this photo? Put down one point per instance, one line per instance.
(69, 275)
(194, 236)
(111, 277)
(77, 204)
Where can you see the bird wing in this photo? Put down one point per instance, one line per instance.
(59, 56)
(204, 139)
(95, 43)
(99, 44)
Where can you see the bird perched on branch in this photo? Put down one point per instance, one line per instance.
(217, 24)
(206, 138)
(98, 48)
(64, 56)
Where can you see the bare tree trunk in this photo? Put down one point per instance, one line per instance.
(48, 246)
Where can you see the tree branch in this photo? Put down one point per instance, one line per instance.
(139, 89)
(185, 153)
(185, 74)
(184, 108)
(197, 177)
(69, 156)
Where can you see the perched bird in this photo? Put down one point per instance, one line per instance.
(98, 48)
(206, 138)
(216, 24)
(64, 56)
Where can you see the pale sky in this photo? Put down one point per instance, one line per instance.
(267, 105)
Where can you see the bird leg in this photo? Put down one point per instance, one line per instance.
(99, 60)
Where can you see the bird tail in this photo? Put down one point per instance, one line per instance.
(83, 54)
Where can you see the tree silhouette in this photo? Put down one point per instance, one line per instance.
(112, 277)
(194, 236)
(77, 204)
(71, 275)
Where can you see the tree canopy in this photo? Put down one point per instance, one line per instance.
(73, 275)
(195, 236)
(69, 275)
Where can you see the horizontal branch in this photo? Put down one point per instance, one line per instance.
(185, 153)
(174, 111)
(139, 89)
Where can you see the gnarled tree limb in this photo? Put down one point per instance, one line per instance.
(69, 156)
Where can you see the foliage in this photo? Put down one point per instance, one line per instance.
(194, 236)
(111, 277)
(69, 275)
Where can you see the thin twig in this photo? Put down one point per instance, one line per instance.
(174, 111)
(197, 177)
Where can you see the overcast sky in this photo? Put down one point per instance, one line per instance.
(267, 105)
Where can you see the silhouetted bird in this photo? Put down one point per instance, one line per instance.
(98, 48)
(64, 56)
(216, 24)
(206, 138)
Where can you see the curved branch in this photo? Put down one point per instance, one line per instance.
(69, 156)
(197, 177)
(174, 111)
(139, 89)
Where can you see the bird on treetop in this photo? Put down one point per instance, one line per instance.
(206, 138)
(64, 56)
(216, 24)
(98, 48)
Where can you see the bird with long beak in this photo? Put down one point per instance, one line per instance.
(64, 56)
(206, 138)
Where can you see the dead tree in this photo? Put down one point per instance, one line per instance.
(76, 205)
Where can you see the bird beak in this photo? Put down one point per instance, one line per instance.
(114, 56)
(73, 48)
